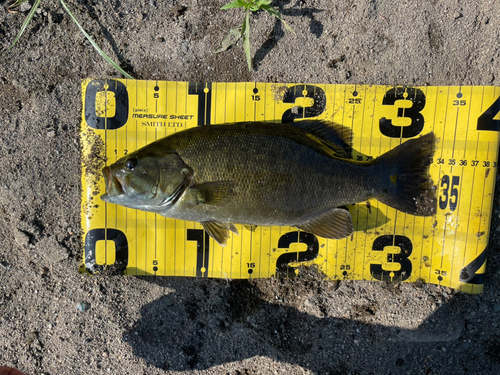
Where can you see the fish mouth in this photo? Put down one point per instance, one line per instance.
(113, 185)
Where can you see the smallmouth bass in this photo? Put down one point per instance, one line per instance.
(296, 174)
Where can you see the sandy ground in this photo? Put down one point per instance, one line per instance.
(156, 326)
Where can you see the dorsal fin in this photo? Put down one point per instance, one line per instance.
(336, 137)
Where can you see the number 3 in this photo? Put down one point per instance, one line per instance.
(417, 97)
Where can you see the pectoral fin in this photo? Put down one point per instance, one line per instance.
(219, 231)
(213, 192)
(334, 224)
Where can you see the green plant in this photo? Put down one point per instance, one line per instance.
(243, 31)
(30, 15)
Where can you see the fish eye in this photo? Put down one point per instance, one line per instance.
(130, 164)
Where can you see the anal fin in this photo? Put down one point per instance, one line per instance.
(334, 224)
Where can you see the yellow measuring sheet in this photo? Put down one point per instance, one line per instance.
(120, 116)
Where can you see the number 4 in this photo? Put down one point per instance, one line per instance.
(489, 119)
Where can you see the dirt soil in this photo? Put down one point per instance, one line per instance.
(140, 325)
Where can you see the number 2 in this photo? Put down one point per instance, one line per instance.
(295, 92)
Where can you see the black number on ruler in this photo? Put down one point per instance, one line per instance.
(282, 268)
(294, 92)
(110, 234)
(250, 266)
(202, 249)
(120, 93)
(345, 268)
(440, 272)
(204, 100)
(417, 97)
(459, 103)
(406, 248)
(486, 121)
(448, 195)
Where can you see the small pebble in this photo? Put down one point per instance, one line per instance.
(309, 303)
(21, 238)
(496, 308)
(81, 306)
(24, 7)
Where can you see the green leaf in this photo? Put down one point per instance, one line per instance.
(16, 4)
(234, 4)
(26, 22)
(287, 27)
(245, 31)
(273, 12)
(260, 3)
(101, 52)
(230, 39)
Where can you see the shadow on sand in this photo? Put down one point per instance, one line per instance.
(208, 323)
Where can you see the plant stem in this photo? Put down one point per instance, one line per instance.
(101, 52)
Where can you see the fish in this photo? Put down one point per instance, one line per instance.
(300, 174)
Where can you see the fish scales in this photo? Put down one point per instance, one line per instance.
(279, 179)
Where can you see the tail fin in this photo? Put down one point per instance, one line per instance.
(410, 188)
